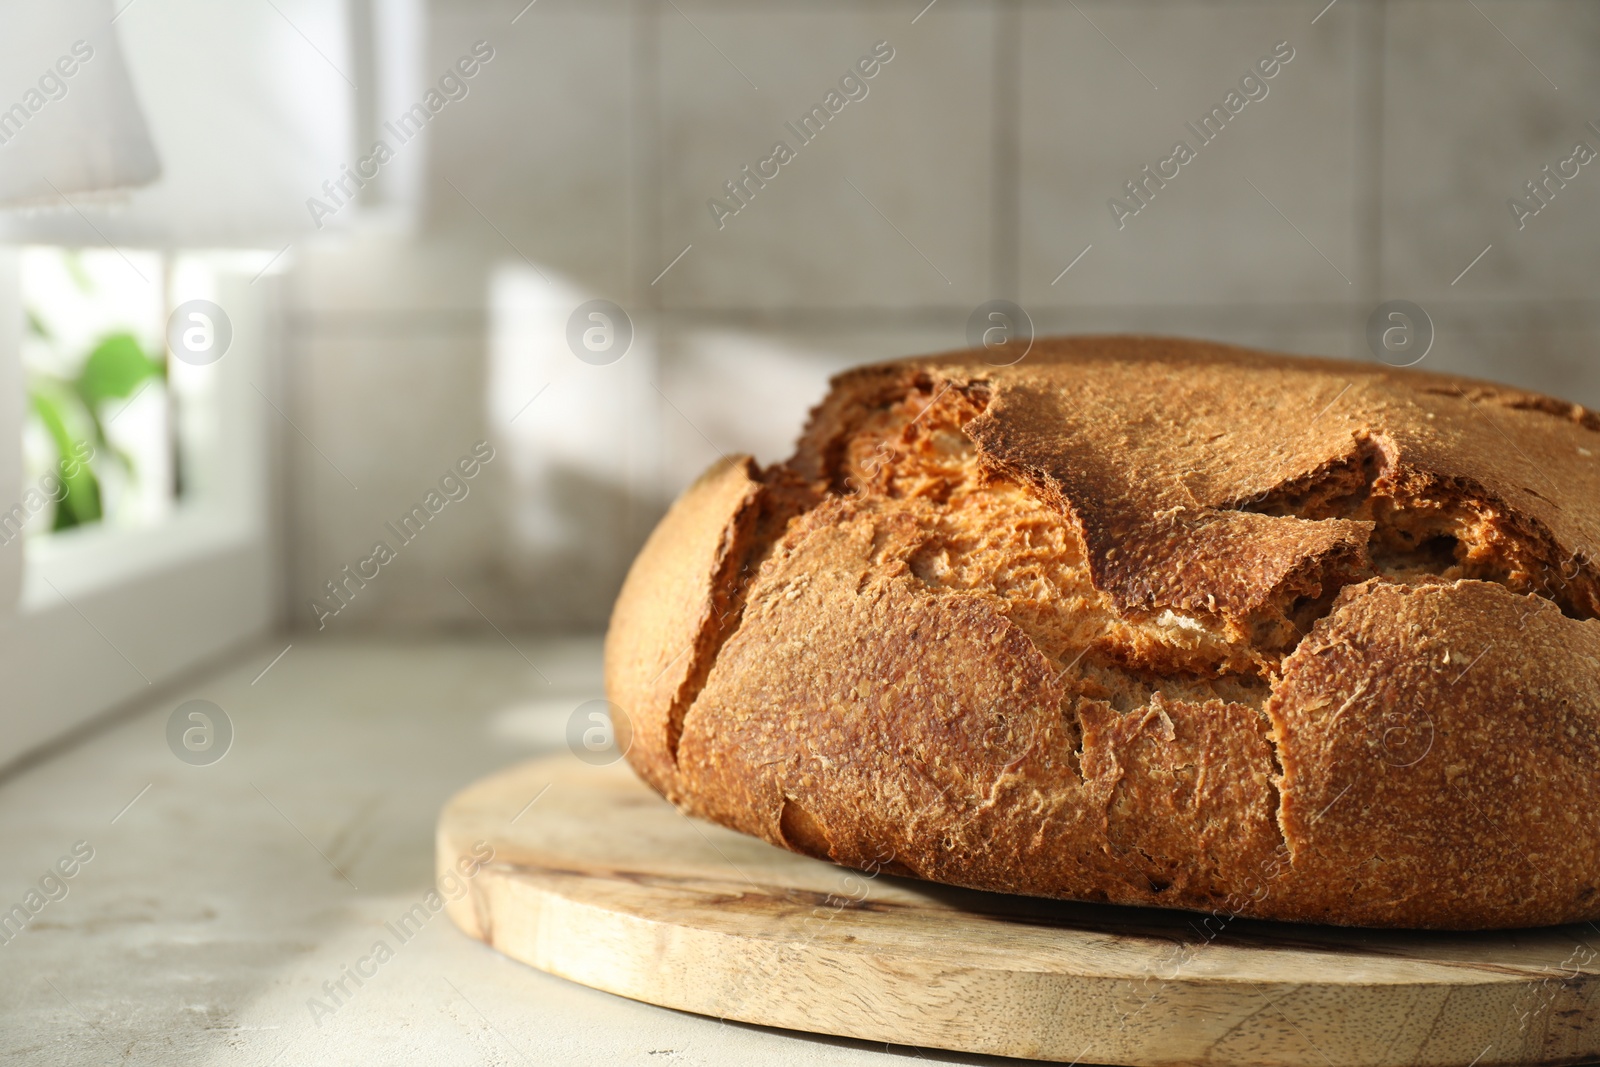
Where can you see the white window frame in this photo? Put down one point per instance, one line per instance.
(96, 617)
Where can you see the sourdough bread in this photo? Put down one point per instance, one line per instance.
(1147, 621)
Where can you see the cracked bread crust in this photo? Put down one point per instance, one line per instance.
(675, 606)
(1150, 622)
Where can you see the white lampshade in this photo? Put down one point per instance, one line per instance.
(249, 105)
(69, 119)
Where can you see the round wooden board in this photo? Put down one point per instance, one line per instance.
(600, 881)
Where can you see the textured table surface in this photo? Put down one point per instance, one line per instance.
(217, 904)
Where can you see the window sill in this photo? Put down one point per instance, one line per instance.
(84, 562)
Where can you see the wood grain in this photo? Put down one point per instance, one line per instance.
(602, 882)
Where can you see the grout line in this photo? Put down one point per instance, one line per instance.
(646, 242)
(1372, 63)
(1005, 248)
(644, 204)
(1510, 317)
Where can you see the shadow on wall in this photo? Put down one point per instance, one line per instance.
(572, 578)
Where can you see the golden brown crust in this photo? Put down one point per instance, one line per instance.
(670, 615)
(1441, 750)
(1148, 621)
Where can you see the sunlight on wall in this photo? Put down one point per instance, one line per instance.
(583, 441)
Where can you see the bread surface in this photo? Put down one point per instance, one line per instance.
(1147, 621)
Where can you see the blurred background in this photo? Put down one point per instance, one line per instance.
(241, 343)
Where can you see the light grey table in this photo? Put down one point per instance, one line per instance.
(220, 898)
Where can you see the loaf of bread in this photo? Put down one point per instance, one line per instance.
(1152, 622)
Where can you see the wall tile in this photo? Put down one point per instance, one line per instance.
(542, 146)
(595, 138)
(1091, 120)
(915, 229)
(1468, 121)
(392, 414)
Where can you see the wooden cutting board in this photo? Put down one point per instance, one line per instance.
(597, 879)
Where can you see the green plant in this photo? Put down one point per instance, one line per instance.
(69, 409)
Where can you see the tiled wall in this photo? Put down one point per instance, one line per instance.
(978, 165)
